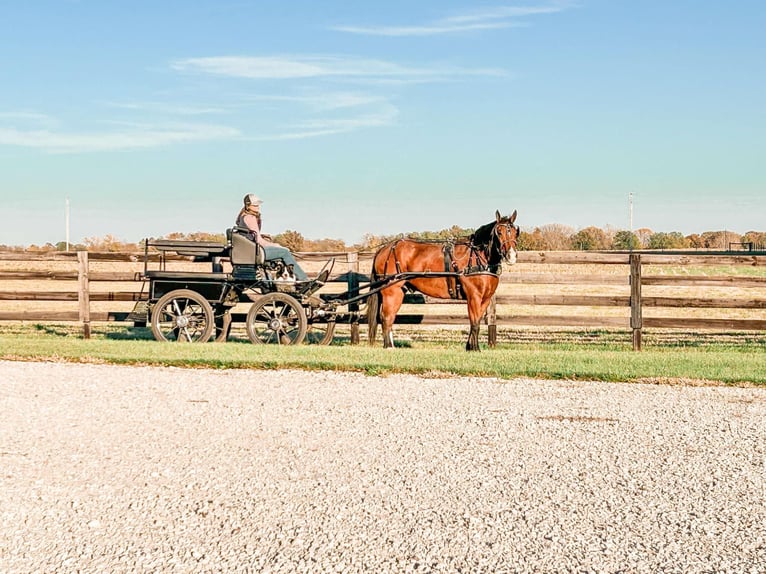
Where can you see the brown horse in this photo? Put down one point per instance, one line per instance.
(467, 269)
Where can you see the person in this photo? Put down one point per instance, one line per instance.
(250, 218)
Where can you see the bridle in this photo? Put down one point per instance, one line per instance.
(504, 247)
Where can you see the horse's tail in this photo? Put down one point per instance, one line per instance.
(373, 311)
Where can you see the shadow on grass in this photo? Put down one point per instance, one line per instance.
(129, 334)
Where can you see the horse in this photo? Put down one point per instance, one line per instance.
(466, 268)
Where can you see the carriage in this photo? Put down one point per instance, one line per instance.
(193, 306)
(196, 306)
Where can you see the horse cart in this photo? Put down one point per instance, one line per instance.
(192, 306)
(196, 306)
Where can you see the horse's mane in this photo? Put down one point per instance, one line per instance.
(483, 234)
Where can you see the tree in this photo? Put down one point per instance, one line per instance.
(672, 240)
(719, 239)
(291, 239)
(695, 241)
(757, 238)
(644, 234)
(324, 245)
(557, 237)
(590, 239)
(531, 241)
(626, 240)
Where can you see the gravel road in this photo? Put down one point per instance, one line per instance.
(135, 469)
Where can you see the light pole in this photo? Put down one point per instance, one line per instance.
(66, 217)
(630, 210)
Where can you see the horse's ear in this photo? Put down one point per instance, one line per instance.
(498, 217)
(513, 216)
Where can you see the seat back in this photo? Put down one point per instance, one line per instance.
(244, 251)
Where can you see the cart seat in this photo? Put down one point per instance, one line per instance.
(244, 251)
(185, 276)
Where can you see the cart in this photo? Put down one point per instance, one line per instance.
(196, 307)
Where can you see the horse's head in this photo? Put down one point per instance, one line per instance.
(504, 237)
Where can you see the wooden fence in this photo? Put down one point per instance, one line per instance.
(608, 290)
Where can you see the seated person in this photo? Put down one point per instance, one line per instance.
(250, 217)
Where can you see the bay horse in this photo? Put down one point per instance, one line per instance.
(468, 268)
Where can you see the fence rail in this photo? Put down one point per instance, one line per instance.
(622, 274)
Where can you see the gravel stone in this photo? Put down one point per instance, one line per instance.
(141, 469)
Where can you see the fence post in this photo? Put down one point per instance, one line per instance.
(353, 290)
(83, 293)
(636, 319)
(491, 318)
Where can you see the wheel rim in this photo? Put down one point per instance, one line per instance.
(320, 333)
(276, 319)
(182, 316)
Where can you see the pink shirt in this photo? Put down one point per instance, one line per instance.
(251, 221)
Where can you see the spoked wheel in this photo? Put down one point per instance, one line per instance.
(276, 318)
(184, 316)
(320, 332)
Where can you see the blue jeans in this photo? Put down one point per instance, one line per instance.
(283, 253)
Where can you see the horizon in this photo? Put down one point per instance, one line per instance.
(379, 119)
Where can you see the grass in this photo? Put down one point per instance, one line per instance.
(589, 357)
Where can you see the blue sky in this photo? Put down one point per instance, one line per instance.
(350, 118)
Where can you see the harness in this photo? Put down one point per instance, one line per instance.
(476, 260)
(454, 287)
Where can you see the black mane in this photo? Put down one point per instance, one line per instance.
(483, 235)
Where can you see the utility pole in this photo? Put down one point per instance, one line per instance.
(67, 223)
(630, 210)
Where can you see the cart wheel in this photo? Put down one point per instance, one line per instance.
(182, 315)
(276, 318)
(320, 332)
(222, 324)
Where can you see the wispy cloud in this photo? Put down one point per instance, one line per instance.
(28, 118)
(321, 101)
(324, 127)
(487, 19)
(132, 138)
(289, 67)
(166, 108)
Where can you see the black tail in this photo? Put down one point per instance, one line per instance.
(373, 312)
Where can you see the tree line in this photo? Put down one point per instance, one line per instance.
(552, 237)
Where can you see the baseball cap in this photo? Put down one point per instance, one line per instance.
(252, 199)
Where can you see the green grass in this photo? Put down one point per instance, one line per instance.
(593, 359)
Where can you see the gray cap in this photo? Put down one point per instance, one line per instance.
(252, 199)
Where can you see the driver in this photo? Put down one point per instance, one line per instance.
(250, 217)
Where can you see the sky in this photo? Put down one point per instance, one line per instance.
(354, 118)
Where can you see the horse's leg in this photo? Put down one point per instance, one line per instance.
(474, 318)
(479, 295)
(392, 298)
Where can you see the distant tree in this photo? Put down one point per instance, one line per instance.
(590, 239)
(557, 237)
(719, 239)
(609, 232)
(371, 242)
(644, 234)
(196, 236)
(108, 243)
(695, 241)
(533, 241)
(293, 240)
(626, 240)
(672, 240)
(757, 238)
(324, 245)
